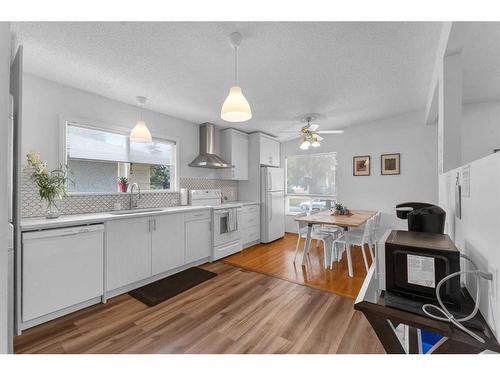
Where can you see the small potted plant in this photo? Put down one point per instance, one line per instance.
(123, 184)
(340, 209)
(51, 184)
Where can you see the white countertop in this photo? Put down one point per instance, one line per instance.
(38, 223)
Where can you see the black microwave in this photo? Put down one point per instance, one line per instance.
(416, 261)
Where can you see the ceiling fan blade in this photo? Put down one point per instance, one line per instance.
(330, 131)
(313, 127)
(319, 138)
(289, 131)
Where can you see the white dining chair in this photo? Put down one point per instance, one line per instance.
(318, 235)
(359, 238)
(374, 234)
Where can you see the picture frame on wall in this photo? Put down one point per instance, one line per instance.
(361, 165)
(390, 164)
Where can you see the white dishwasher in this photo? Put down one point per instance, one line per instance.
(61, 268)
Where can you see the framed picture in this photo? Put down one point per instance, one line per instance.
(390, 164)
(361, 166)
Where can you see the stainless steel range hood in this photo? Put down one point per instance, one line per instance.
(207, 157)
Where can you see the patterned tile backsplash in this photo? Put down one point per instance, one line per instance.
(33, 206)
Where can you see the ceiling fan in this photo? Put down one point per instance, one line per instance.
(309, 133)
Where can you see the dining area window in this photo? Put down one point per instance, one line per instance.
(97, 157)
(310, 181)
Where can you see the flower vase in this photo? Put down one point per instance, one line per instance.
(53, 210)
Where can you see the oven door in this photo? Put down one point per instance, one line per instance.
(224, 230)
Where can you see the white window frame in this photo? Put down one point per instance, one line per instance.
(98, 125)
(331, 197)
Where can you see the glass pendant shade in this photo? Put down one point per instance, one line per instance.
(236, 107)
(315, 143)
(305, 145)
(140, 133)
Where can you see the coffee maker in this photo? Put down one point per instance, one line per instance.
(422, 217)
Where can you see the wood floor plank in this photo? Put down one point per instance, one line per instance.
(276, 259)
(239, 311)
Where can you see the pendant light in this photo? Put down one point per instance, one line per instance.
(140, 133)
(236, 107)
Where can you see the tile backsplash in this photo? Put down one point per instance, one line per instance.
(33, 206)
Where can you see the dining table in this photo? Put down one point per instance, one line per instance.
(354, 219)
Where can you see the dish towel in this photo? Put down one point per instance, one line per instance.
(232, 223)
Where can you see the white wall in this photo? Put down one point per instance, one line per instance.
(405, 134)
(4, 113)
(44, 101)
(480, 130)
(477, 233)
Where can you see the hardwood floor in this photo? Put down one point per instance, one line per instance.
(238, 311)
(276, 259)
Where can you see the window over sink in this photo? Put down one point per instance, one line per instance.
(310, 181)
(97, 155)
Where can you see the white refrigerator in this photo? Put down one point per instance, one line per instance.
(272, 196)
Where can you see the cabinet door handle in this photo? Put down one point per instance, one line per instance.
(149, 225)
(154, 223)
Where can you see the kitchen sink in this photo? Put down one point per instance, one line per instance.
(135, 211)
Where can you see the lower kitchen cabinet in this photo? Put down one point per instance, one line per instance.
(167, 242)
(198, 240)
(128, 247)
(249, 224)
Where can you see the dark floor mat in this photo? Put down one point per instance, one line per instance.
(161, 290)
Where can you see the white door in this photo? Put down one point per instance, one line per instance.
(167, 242)
(275, 179)
(239, 156)
(269, 151)
(275, 216)
(198, 240)
(128, 249)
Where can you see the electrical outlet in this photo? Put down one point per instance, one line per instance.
(493, 269)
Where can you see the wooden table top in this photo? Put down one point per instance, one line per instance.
(355, 219)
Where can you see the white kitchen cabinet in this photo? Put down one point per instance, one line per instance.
(167, 242)
(61, 268)
(249, 224)
(128, 248)
(234, 150)
(269, 151)
(198, 240)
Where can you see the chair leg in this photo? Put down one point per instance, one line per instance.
(364, 256)
(327, 250)
(349, 260)
(370, 246)
(296, 249)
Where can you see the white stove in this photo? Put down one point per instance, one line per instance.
(226, 239)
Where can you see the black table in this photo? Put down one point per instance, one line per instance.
(384, 318)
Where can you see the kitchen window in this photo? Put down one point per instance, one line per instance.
(97, 156)
(310, 181)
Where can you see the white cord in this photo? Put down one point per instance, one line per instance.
(447, 316)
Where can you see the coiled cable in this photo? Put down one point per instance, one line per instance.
(447, 315)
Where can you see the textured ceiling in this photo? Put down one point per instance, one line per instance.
(481, 62)
(348, 72)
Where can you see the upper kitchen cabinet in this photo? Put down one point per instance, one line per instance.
(269, 150)
(234, 150)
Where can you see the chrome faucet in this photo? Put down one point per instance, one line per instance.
(132, 203)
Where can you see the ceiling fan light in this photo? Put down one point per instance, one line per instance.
(305, 145)
(315, 143)
(140, 133)
(236, 107)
